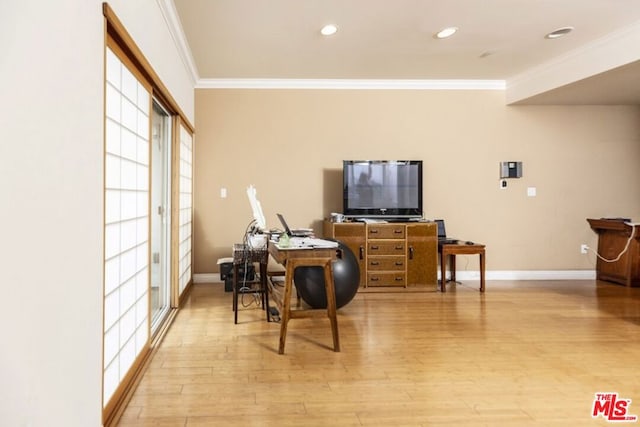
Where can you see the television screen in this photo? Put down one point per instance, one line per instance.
(382, 188)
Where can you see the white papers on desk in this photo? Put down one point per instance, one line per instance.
(307, 243)
(292, 248)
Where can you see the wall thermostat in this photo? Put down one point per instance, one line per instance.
(510, 169)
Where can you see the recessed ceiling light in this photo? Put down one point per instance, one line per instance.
(559, 33)
(328, 30)
(447, 32)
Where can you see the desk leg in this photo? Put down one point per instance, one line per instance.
(331, 304)
(481, 271)
(452, 267)
(443, 271)
(235, 293)
(286, 305)
(264, 288)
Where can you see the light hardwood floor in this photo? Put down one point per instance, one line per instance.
(523, 353)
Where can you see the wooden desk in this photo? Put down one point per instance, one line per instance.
(613, 236)
(460, 248)
(292, 258)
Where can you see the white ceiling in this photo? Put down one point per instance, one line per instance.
(392, 41)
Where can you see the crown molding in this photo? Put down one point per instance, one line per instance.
(350, 84)
(170, 15)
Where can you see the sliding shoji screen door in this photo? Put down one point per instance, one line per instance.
(126, 231)
(185, 206)
(131, 85)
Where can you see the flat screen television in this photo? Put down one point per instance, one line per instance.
(386, 189)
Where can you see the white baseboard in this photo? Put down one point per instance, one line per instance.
(473, 275)
(529, 275)
(207, 278)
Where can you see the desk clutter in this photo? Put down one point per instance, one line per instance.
(300, 238)
(292, 243)
(298, 253)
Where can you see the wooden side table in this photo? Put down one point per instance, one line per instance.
(459, 248)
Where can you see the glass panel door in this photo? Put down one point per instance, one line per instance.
(160, 214)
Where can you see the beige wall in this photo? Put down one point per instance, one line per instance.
(51, 165)
(290, 144)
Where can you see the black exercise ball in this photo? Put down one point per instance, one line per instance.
(309, 281)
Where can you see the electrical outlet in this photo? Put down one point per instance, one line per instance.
(584, 248)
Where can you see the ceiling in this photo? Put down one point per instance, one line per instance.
(393, 40)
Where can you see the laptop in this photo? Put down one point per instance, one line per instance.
(442, 233)
(301, 239)
(293, 233)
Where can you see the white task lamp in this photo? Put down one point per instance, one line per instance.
(256, 239)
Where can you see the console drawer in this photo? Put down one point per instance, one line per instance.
(386, 247)
(386, 231)
(386, 279)
(386, 263)
(341, 230)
